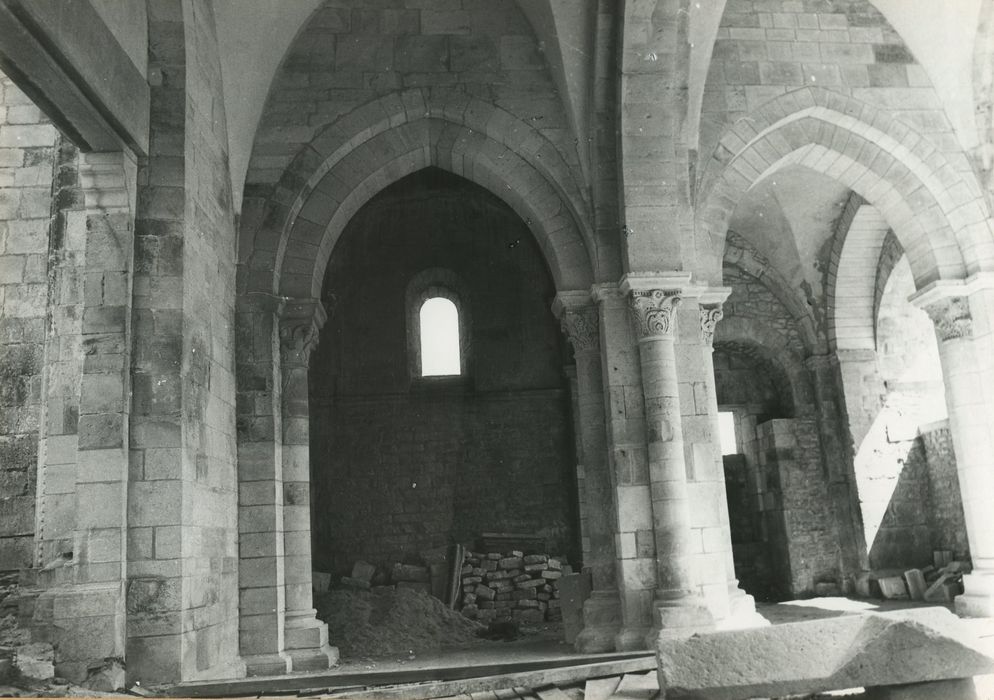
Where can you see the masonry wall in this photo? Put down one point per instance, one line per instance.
(766, 49)
(400, 464)
(27, 159)
(182, 511)
(351, 53)
(946, 522)
(795, 534)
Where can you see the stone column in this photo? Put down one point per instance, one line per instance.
(653, 301)
(963, 313)
(741, 610)
(305, 637)
(602, 610)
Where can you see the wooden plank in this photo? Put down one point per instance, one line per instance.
(530, 679)
(334, 680)
(455, 565)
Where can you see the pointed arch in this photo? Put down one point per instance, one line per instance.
(292, 233)
(934, 207)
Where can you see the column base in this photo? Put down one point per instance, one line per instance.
(306, 643)
(601, 622)
(678, 618)
(977, 600)
(267, 664)
(742, 611)
(978, 597)
(631, 639)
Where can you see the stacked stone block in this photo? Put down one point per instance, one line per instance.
(518, 587)
(27, 158)
(182, 600)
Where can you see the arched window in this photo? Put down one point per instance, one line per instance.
(439, 332)
(439, 327)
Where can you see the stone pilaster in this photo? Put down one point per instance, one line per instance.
(634, 544)
(963, 313)
(602, 610)
(305, 637)
(261, 565)
(84, 609)
(653, 303)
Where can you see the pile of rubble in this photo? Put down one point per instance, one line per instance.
(939, 582)
(513, 587)
(390, 621)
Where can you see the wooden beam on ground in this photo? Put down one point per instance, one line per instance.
(529, 679)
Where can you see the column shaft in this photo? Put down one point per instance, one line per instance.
(634, 546)
(306, 637)
(738, 607)
(964, 321)
(678, 609)
(602, 611)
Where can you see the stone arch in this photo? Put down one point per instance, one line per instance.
(467, 136)
(437, 282)
(740, 253)
(770, 345)
(936, 210)
(314, 224)
(852, 276)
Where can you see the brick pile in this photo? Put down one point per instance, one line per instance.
(513, 587)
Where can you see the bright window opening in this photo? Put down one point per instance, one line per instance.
(726, 423)
(439, 338)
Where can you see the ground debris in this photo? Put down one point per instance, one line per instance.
(388, 621)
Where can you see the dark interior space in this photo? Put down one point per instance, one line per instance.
(403, 463)
(756, 390)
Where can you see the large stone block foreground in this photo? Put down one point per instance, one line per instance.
(871, 650)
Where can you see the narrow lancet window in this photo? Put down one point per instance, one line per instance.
(439, 338)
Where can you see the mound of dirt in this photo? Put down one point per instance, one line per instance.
(387, 621)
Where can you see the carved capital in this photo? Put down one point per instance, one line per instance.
(301, 321)
(654, 312)
(951, 316)
(581, 328)
(710, 315)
